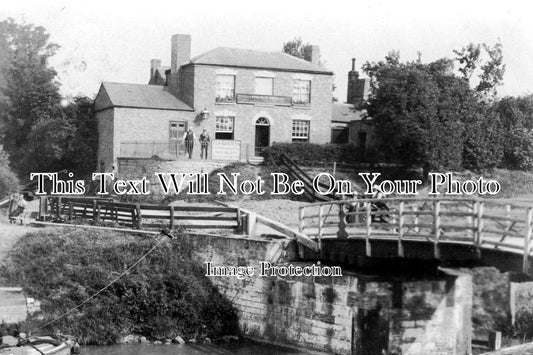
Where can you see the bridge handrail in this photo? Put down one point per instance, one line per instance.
(479, 222)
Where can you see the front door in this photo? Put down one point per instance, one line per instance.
(262, 135)
(177, 131)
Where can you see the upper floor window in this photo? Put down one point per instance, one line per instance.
(224, 127)
(264, 86)
(225, 88)
(301, 92)
(300, 131)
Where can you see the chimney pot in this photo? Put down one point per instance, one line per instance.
(353, 64)
(180, 51)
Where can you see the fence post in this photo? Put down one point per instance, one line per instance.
(139, 216)
(527, 240)
(171, 224)
(400, 229)
(436, 228)
(94, 210)
(368, 249)
(42, 208)
(239, 221)
(70, 210)
(58, 211)
(98, 212)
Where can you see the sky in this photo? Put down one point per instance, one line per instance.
(115, 40)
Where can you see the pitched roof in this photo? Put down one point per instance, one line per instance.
(345, 113)
(248, 58)
(139, 96)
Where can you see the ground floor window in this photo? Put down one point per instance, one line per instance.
(224, 127)
(300, 131)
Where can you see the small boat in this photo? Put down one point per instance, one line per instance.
(45, 345)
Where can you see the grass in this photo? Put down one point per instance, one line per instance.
(166, 295)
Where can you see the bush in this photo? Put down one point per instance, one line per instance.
(164, 296)
(309, 154)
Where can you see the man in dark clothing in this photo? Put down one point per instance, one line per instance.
(204, 143)
(189, 142)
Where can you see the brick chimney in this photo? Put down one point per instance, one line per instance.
(312, 54)
(154, 64)
(358, 89)
(180, 52)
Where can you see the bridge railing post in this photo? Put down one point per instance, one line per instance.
(400, 228)
(341, 232)
(527, 240)
(436, 228)
(479, 227)
(320, 226)
(368, 249)
(415, 210)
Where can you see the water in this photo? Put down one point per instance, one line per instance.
(190, 349)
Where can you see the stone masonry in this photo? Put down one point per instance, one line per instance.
(352, 314)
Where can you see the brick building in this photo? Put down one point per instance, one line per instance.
(349, 124)
(245, 99)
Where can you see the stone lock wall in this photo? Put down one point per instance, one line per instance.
(342, 315)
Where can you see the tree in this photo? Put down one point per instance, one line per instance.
(31, 95)
(492, 69)
(82, 147)
(420, 111)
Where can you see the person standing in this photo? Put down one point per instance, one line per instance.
(189, 142)
(204, 143)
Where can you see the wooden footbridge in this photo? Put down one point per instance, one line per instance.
(447, 230)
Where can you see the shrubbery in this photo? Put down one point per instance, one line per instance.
(310, 154)
(164, 296)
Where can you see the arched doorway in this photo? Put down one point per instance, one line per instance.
(262, 135)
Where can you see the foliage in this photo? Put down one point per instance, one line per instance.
(491, 70)
(515, 116)
(82, 143)
(296, 47)
(490, 308)
(164, 296)
(420, 111)
(30, 90)
(38, 133)
(483, 147)
(310, 154)
(9, 183)
(427, 116)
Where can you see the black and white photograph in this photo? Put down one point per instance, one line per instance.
(276, 177)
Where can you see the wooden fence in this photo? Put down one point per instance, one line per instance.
(105, 210)
(475, 222)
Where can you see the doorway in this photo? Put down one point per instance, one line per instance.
(177, 131)
(262, 135)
